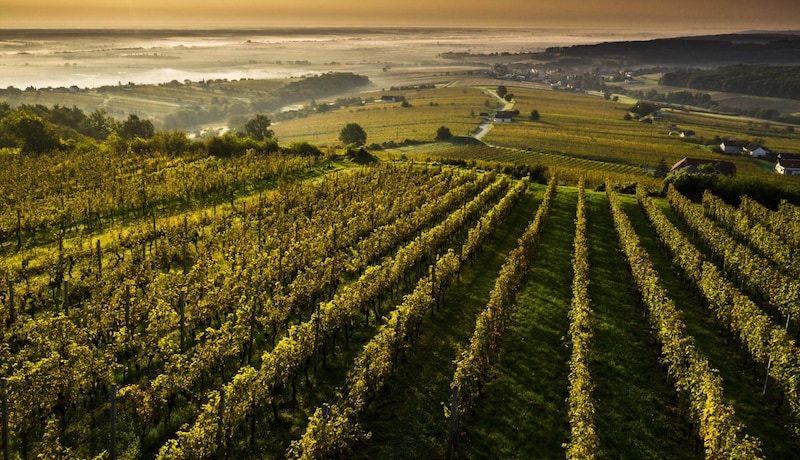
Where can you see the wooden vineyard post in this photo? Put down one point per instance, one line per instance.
(185, 237)
(12, 316)
(220, 422)
(99, 261)
(113, 448)
(128, 309)
(65, 293)
(19, 228)
(251, 335)
(316, 341)
(452, 436)
(769, 363)
(182, 308)
(6, 436)
(432, 276)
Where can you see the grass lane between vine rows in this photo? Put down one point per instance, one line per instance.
(522, 412)
(760, 415)
(407, 418)
(637, 413)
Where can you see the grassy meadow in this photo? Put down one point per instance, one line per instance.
(575, 131)
(455, 107)
(591, 127)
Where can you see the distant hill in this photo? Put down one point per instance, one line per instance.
(749, 48)
(765, 81)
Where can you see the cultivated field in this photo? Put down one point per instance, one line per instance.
(299, 309)
(455, 107)
(577, 126)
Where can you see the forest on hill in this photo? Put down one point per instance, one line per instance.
(767, 81)
(701, 51)
(185, 105)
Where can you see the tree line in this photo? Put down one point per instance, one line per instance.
(37, 129)
(766, 81)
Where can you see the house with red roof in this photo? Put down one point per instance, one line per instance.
(696, 166)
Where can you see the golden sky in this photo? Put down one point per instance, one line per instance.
(644, 14)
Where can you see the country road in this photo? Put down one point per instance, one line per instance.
(486, 125)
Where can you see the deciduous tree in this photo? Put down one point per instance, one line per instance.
(353, 133)
(502, 91)
(258, 128)
(443, 134)
(136, 127)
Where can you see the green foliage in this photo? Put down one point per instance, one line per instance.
(359, 155)
(766, 81)
(230, 144)
(474, 365)
(502, 91)
(584, 442)
(135, 127)
(731, 189)
(643, 108)
(174, 141)
(693, 376)
(353, 133)
(534, 115)
(662, 169)
(303, 149)
(99, 124)
(257, 128)
(318, 86)
(29, 132)
(443, 134)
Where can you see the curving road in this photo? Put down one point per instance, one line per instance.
(486, 125)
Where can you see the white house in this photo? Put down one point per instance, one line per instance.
(731, 147)
(757, 151)
(788, 167)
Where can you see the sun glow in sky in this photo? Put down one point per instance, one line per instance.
(684, 15)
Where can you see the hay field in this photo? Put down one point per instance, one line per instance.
(454, 107)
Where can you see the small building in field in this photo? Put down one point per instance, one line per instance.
(696, 166)
(788, 167)
(393, 98)
(757, 151)
(505, 116)
(732, 147)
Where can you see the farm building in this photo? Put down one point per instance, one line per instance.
(393, 98)
(693, 165)
(789, 167)
(505, 116)
(732, 147)
(757, 151)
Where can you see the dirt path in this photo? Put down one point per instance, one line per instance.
(486, 125)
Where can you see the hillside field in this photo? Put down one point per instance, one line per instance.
(579, 126)
(321, 307)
